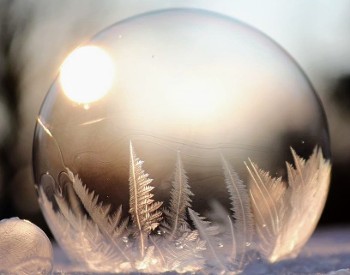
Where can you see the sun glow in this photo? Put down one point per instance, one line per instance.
(199, 102)
(87, 74)
(192, 100)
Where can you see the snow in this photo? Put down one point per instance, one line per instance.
(327, 252)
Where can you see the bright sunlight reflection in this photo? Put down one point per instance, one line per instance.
(87, 74)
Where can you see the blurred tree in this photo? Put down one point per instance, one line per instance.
(10, 31)
(338, 199)
(9, 96)
(341, 94)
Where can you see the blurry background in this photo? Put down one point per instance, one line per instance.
(35, 36)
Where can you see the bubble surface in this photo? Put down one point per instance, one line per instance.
(191, 137)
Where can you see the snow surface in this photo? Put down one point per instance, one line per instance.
(327, 252)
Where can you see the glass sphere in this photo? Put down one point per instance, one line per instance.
(181, 140)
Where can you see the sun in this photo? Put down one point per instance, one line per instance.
(87, 74)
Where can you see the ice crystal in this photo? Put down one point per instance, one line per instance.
(179, 201)
(110, 226)
(208, 233)
(79, 237)
(143, 209)
(242, 230)
(263, 218)
(284, 211)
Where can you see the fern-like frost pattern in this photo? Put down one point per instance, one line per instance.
(284, 212)
(268, 215)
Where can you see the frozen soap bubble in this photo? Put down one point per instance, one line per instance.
(24, 248)
(181, 140)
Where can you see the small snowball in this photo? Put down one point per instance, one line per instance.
(24, 248)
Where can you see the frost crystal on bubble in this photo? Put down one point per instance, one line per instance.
(284, 212)
(24, 248)
(143, 210)
(263, 219)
